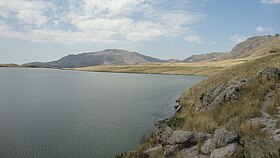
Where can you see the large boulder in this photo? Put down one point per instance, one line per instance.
(223, 137)
(174, 141)
(224, 152)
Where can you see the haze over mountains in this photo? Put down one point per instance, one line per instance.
(123, 57)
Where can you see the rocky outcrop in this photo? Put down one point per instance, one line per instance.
(229, 91)
(223, 137)
(224, 92)
(222, 144)
(270, 73)
(269, 121)
(174, 141)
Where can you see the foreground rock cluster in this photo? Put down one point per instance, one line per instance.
(222, 143)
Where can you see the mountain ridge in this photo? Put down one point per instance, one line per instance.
(241, 50)
(104, 57)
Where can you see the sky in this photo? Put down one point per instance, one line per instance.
(46, 30)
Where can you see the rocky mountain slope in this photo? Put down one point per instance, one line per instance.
(250, 47)
(202, 57)
(105, 57)
(232, 113)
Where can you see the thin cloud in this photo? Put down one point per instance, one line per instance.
(194, 39)
(261, 29)
(236, 38)
(270, 1)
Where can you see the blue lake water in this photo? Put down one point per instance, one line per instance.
(56, 113)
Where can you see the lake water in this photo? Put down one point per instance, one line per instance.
(56, 113)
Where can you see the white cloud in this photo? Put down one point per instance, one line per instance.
(264, 29)
(270, 1)
(194, 39)
(98, 21)
(26, 11)
(236, 38)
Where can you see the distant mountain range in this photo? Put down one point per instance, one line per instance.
(123, 57)
(241, 50)
(105, 57)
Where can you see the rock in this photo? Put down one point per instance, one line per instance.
(184, 139)
(224, 152)
(208, 147)
(173, 141)
(152, 152)
(192, 152)
(223, 137)
(229, 91)
(163, 132)
(223, 92)
(270, 73)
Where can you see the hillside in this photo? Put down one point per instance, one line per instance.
(202, 57)
(248, 48)
(232, 113)
(105, 57)
(204, 67)
(9, 65)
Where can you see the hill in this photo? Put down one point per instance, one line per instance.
(202, 57)
(105, 57)
(232, 113)
(250, 47)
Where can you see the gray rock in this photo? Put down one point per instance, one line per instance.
(184, 139)
(223, 92)
(192, 152)
(152, 151)
(270, 73)
(163, 132)
(224, 152)
(229, 91)
(223, 137)
(208, 147)
(174, 141)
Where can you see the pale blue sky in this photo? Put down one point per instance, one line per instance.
(37, 30)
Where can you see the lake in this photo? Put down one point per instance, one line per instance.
(57, 113)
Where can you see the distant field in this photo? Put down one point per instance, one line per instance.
(204, 68)
(9, 65)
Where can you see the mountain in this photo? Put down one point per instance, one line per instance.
(105, 57)
(243, 49)
(201, 57)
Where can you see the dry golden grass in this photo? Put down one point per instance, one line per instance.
(248, 69)
(253, 131)
(204, 68)
(274, 103)
(231, 115)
